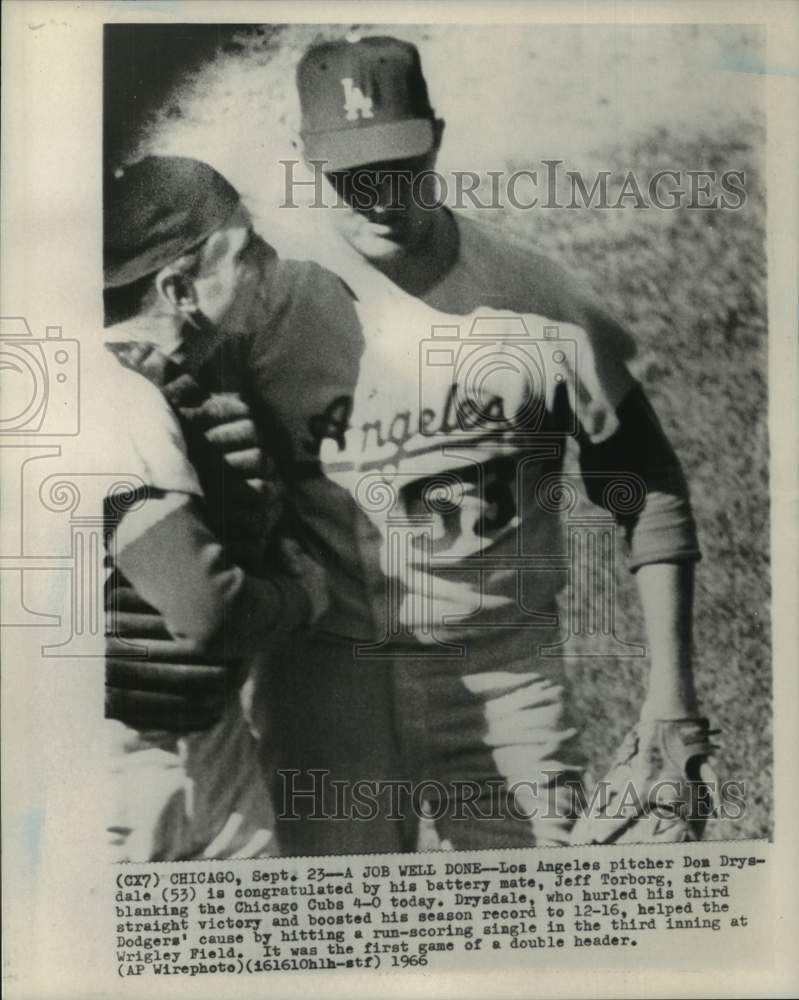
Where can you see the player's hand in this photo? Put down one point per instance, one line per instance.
(226, 421)
(661, 787)
(312, 577)
(154, 681)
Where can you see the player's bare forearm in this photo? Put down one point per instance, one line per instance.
(667, 591)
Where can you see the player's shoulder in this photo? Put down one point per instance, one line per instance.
(292, 281)
(145, 430)
(515, 271)
(511, 249)
(301, 305)
(493, 235)
(126, 391)
(534, 282)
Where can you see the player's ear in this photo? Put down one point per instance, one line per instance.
(177, 289)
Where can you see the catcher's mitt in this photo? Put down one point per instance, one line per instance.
(660, 787)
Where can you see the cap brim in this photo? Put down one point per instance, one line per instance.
(341, 149)
(122, 265)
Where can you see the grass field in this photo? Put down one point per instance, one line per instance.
(690, 284)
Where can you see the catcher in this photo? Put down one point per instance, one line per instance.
(197, 595)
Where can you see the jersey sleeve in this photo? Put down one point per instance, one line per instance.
(620, 437)
(618, 431)
(147, 438)
(177, 565)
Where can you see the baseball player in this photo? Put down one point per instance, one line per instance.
(423, 444)
(195, 584)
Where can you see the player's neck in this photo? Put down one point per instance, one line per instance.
(422, 265)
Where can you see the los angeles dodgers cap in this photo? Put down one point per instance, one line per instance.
(364, 102)
(158, 209)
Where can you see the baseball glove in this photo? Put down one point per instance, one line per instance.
(660, 788)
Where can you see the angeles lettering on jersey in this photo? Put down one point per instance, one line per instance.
(459, 413)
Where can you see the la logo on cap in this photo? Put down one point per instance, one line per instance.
(355, 101)
(364, 102)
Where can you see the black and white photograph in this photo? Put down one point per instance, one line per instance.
(398, 437)
(462, 536)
